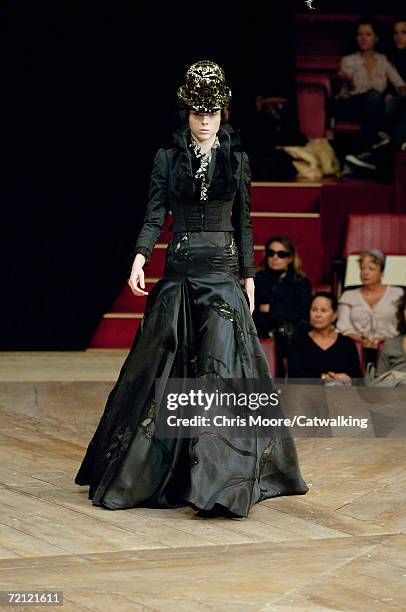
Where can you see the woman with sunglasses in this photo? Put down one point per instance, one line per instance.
(282, 293)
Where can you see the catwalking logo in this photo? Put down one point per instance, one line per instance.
(340, 420)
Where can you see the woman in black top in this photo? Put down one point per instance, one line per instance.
(197, 324)
(322, 352)
(282, 293)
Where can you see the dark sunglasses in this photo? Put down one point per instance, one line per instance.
(280, 254)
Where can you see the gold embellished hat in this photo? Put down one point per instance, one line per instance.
(204, 89)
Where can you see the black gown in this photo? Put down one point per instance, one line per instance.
(197, 323)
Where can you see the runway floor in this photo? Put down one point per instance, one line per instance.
(340, 547)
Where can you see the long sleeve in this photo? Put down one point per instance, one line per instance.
(297, 357)
(242, 221)
(347, 64)
(344, 324)
(293, 303)
(157, 206)
(261, 319)
(304, 298)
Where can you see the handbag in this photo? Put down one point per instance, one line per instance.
(391, 378)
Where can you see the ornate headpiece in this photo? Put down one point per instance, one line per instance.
(204, 89)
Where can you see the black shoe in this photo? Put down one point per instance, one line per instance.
(363, 160)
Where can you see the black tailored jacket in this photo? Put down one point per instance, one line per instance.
(174, 189)
(289, 297)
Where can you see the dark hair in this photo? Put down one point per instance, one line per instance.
(367, 20)
(400, 314)
(296, 263)
(399, 19)
(183, 113)
(329, 296)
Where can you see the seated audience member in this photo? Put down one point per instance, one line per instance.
(393, 353)
(396, 105)
(366, 75)
(282, 293)
(398, 55)
(382, 157)
(322, 352)
(368, 313)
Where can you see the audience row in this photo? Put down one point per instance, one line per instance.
(316, 332)
(373, 93)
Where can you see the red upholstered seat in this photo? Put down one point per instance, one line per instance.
(400, 183)
(380, 231)
(269, 346)
(345, 127)
(311, 99)
(361, 355)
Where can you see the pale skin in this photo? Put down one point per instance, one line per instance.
(367, 41)
(204, 128)
(399, 34)
(372, 291)
(276, 263)
(322, 317)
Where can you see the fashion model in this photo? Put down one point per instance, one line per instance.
(197, 324)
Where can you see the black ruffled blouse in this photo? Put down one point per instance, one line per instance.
(174, 188)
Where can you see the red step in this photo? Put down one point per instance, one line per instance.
(117, 332)
(128, 302)
(285, 197)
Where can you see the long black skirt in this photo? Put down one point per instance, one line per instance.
(197, 324)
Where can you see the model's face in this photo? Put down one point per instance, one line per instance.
(204, 126)
(399, 35)
(370, 272)
(279, 259)
(366, 38)
(322, 315)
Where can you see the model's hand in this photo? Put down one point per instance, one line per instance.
(137, 276)
(250, 289)
(402, 90)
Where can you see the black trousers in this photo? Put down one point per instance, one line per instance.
(368, 109)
